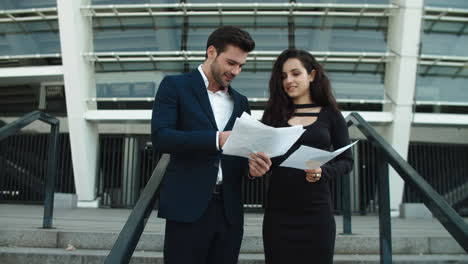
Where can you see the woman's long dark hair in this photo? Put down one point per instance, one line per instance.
(280, 107)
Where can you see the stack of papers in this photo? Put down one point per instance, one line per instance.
(311, 158)
(250, 136)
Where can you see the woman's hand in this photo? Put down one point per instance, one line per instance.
(313, 175)
(259, 164)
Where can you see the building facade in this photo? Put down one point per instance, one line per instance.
(97, 64)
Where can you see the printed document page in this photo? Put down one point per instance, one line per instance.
(250, 136)
(311, 158)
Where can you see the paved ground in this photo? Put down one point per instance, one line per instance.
(112, 220)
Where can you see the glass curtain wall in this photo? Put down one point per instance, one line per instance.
(442, 75)
(29, 36)
(170, 39)
(25, 4)
(24, 31)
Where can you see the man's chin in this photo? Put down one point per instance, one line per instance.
(226, 84)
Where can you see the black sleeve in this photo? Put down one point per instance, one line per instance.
(343, 163)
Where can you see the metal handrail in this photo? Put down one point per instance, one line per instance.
(447, 216)
(127, 241)
(17, 125)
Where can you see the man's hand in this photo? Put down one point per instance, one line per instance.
(223, 136)
(259, 164)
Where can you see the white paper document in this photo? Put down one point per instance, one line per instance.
(311, 158)
(250, 136)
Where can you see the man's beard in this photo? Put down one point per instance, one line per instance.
(217, 75)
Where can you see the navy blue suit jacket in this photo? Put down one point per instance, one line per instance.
(184, 126)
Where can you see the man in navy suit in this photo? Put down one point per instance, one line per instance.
(201, 191)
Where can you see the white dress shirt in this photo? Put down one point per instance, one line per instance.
(222, 106)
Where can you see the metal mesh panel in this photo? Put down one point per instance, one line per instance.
(445, 168)
(23, 162)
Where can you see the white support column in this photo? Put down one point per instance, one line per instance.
(400, 81)
(75, 39)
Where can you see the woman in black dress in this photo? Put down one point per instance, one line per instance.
(298, 226)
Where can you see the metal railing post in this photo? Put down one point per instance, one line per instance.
(128, 238)
(448, 217)
(51, 176)
(17, 125)
(385, 229)
(346, 201)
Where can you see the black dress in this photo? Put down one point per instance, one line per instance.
(298, 225)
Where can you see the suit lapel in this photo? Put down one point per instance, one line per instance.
(236, 109)
(199, 88)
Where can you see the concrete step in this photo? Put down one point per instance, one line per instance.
(9, 255)
(345, 244)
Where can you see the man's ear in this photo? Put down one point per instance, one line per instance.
(211, 52)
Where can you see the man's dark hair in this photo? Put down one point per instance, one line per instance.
(230, 35)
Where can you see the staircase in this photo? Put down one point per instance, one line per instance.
(87, 235)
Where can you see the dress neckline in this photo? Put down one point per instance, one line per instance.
(317, 114)
(299, 106)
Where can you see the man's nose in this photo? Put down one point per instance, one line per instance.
(236, 70)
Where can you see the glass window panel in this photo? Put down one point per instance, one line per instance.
(354, 67)
(144, 89)
(108, 67)
(139, 66)
(253, 80)
(255, 66)
(137, 34)
(446, 3)
(444, 44)
(250, 66)
(237, 1)
(445, 89)
(102, 90)
(269, 33)
(345, 85)
(129, 84)
(357, 86)
(126, 2)
(125, 89)
(29, 38)
(24, 27)
(439, 27)
(341, 34)
(252, 84)
(453, 72)
(25, 4)
(347, 1)
(118, 90)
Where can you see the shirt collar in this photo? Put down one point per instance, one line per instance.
(205, 79)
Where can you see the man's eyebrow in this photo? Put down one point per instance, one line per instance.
(235, 62)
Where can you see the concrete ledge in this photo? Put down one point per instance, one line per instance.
(41, 255)
(65, 200)
(345, 244)
(356, 244)
(444, 245)
(415, 211)
(80, 240)
(89, 204)
(28, 238)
